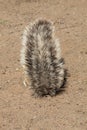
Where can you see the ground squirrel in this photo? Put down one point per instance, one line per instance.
(41, 58)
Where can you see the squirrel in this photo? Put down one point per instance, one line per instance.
(41, 58)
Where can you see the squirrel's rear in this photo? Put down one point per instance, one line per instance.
(41, 58)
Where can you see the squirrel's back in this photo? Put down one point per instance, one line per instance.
(41, 58)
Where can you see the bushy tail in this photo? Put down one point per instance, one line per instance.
(41, 58)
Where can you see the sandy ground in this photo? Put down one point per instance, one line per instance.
(18, 109)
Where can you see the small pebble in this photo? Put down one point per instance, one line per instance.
(17, 69)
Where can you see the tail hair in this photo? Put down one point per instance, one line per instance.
(41, 58)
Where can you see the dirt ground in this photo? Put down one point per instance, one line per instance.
(18, 109)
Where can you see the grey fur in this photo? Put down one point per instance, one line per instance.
(41, 58)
